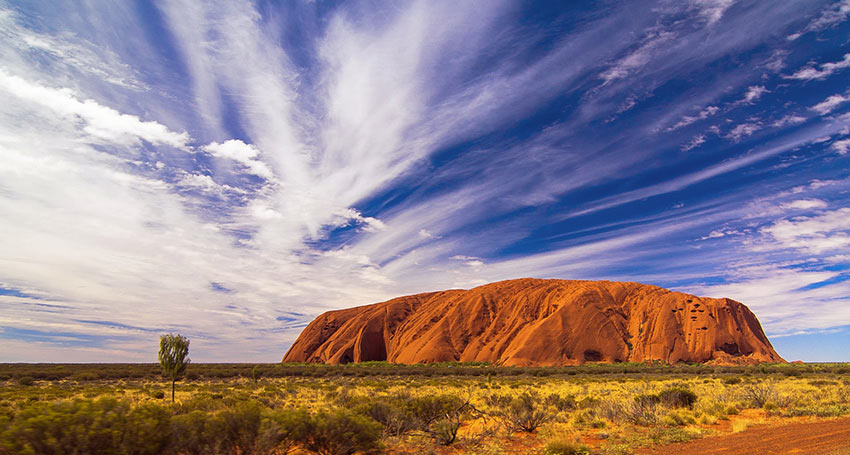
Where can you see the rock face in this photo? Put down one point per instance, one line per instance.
(529, 322)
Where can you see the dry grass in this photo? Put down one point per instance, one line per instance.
(613, 414)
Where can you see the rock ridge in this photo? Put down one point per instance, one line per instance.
(537, 322)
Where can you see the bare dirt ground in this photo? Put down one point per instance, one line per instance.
(823, 437)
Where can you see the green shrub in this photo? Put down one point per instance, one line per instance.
(444, 431)
(341, 432)
(677, 397)
(565, 448)
(26, 381)
(86, 376)
(588, 402)
(561, 403)
(394, 418)
(427, 409)
(819, 410)
(643, 410)
(401, 413)
(147, 430)
(89, 427)
(282, 430)
(240, 427)
(678, 418)
(758, 394)
(647, 400)
(194, 433)
(525, 412)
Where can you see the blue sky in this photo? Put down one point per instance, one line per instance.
(229, 170)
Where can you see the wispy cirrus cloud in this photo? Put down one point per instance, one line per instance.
(99, 122)
(831, 16)
(689, 119)
(826, 69)
(830, 103)
(753, 93)
(743, 130)
(694, 143)
(309, 157)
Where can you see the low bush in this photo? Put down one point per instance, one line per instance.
(400, 413)
(282, 430)
(677, 418)
(643, 410)
(820, 410)
(444, 431)
(677, 397)
(89, 427)
(565, 448)
(757, 395)
(561, 403)
(86, 376)
(525, 412)
(341, 432)
(146, 430)
(194, 433)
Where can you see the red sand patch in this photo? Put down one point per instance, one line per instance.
(821, 437)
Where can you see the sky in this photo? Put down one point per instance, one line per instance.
(230, 170)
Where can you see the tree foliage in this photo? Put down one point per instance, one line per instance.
(173, 357)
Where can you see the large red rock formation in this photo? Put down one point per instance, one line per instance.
(539, 322)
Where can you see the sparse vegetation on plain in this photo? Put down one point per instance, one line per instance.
(398, 409)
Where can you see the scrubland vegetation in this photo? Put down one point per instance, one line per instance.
(381, 408)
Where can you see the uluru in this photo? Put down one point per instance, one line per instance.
(537, 322)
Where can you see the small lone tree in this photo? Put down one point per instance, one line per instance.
(173, 357)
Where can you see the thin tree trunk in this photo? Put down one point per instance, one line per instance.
(172, 390)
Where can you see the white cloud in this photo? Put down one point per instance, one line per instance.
(826, 69)
(98, 121)
(789, 120)
(460, 257)
(206, 184)
(426, 234)
(785, 297)
(776, 61)
(804, 204)
(842, 146)
(816, 234)
(742, 130)
(829, 17)
(712, 10)
(702, 115)
(753, 93)
(716, 234)
(469, 261)
(838, 258)
(67, 50)
(813, 186)
(829, 104)
(637, 58)
(684, 181)
(695, 142)
(246, 154)
(370, 224)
